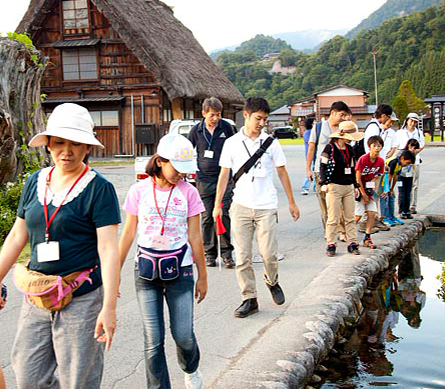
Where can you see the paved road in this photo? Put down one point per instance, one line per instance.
(225, 340)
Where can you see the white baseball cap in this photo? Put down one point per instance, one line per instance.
(179, 151)
(68, 121)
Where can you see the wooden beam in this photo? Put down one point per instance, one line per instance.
(177, 109)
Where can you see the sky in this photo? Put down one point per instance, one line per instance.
(218, 24)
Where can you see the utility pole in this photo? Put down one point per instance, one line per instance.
(374, 53)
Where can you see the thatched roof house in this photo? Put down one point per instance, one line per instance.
(169, 55)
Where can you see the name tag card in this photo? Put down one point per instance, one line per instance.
(370, 184)
(347, 170)
(48, 252)
(208, 154)
(399, 183)
(161, 242)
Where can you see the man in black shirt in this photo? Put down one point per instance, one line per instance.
(208, 137)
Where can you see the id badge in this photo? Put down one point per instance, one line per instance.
(161, 242)
(48, 252)
(208, 153)
(370, 184)
(348, 170)
(399, 184)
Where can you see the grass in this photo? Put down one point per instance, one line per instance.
(290, 142)
(437, 138)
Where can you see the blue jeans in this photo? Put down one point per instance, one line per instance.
(179, 295)
(387, 206)
(307, 182)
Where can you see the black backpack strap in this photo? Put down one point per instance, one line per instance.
(252, 160)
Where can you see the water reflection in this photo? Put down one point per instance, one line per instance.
(391, 345)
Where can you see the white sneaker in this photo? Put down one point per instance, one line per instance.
(193, 380)
(304, 192)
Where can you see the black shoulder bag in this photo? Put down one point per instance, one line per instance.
(252, 160)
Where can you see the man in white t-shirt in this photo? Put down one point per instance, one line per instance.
(255, 203)
(380, 125)
(318, 140)
(410, 130)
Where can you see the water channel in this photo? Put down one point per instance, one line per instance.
(399, 341)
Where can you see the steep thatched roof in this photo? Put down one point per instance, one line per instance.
(160, 41)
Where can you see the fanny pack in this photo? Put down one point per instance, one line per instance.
(52, 293)
(164, 265)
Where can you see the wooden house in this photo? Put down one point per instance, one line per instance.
(130, 62)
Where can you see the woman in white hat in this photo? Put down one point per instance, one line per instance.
(410, 130)
(69, 215)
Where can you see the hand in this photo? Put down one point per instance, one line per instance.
(294, 212)
(357, 193)
(200, 289)
(384, 195)
(310, 175)
(2, 303)
(392, 192)
(106, 322)
(217, 212)
(365, 198)
(324, 188)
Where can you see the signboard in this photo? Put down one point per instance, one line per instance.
(437, 115)
(145, 133)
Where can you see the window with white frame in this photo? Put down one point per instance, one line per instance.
(75, 14)
(79, 64)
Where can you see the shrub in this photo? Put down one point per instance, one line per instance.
(9, 201)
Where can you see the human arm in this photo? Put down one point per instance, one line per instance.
(391, 152)
(285, 181)
(195, 240)
(109, 260)
(11, 249)
(309, 159)
(358, 178)
(127, 236)
(223, 180)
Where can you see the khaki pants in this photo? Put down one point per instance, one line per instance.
(338, 198)
(416, 175)
(321, 196)
(245, 222)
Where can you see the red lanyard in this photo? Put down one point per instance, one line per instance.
(345, 154)
(163, 218)
(45, 206)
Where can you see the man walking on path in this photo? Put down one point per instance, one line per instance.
(208, 138)
(318, 140)
(255, 203)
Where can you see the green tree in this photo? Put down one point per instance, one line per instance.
(407, 99)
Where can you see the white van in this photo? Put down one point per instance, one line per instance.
(177, 126)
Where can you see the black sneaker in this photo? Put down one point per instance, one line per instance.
(247, 307)
(403, 216)
(330, 250)
(229, 263)
(409, 216)
(210, 261)
(353, 249)
(277, 293)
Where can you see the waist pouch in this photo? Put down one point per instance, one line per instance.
(164, 265)
(52, 293)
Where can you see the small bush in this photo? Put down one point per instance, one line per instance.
(9, 201)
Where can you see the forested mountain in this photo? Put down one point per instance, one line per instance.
(411, 48)
(391, 9)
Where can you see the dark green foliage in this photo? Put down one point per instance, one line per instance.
(263, 44)
(409, 48)
(391, 9)
(406, 101)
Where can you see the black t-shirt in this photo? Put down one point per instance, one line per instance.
(342, 161)
(202, 139)
(74, 226)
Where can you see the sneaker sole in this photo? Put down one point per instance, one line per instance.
(241, 316)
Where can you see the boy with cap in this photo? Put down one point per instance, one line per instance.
(338, 181)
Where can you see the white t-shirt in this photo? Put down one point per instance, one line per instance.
(389, 137)
(184, 203)
(372, 129)
(255, 189)
(322, 141)
(403, 136)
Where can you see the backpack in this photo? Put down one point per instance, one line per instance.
(359, 147)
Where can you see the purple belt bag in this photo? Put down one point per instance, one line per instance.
(164, 265)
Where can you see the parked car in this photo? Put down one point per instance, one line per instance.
(284, 132)
(178, 126)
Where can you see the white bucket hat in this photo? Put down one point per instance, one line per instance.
(179, 151)
(68, 121)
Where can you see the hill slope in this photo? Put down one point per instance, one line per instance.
(391, 9)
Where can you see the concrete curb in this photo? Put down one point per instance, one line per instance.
(286, 353)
